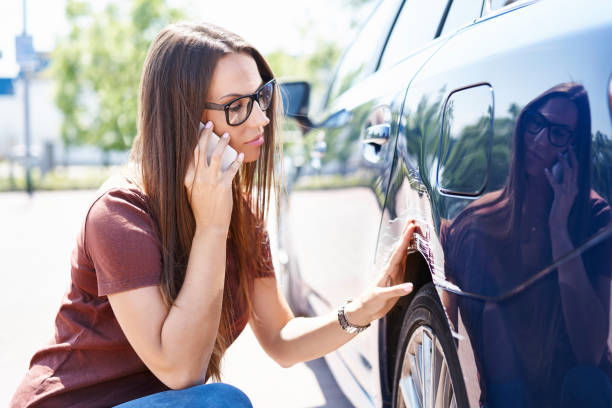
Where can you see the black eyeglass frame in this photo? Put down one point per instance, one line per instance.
(548, 125)
(254, 97)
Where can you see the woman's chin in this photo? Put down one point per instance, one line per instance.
(251, 156)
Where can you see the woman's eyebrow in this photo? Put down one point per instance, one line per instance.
(237, 95)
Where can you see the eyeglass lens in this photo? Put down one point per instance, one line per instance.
(240, 109)
(558, 135)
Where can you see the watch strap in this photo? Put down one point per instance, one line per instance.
(346, 325)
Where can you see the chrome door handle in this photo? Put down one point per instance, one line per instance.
(377, 135)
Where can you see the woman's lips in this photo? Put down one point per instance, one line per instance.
(258, 141)
(533, 155)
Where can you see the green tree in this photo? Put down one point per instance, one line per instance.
(317, 67)
(97, 69)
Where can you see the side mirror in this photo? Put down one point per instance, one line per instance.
(296, 99)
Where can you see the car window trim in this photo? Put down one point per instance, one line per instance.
(345, 51)
(384, 47)
(443, 21)
(443, 18)
(488, 13)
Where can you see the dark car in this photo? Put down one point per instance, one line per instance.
(490, 124)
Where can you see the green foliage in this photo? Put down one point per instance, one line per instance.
(317, 68)
(97, 69)
(61, 178)
(601, 159)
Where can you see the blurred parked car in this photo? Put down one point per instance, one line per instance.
(489, 122)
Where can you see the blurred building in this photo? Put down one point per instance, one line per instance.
(47, 148)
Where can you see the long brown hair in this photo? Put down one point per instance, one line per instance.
(498, 213)
(174, 84)
(509, 202)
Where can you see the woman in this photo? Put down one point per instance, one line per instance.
(536, 348)
(171, 264)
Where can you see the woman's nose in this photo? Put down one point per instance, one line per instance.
(541, 138)
(259, 116)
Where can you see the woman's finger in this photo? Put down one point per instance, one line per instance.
(551, 179)
(407, 237)
(231, 171)
(203, 142)
(395, 291)
(573, 160)
(217, 154)
(190, 169)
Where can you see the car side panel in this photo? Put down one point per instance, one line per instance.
(519, 55)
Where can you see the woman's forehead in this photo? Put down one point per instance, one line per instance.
(235, 75)
(561, 111)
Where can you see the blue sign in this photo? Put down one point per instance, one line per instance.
(6, 86)
(25, 54)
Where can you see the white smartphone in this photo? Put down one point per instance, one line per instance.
(229, 155)
(557, 169)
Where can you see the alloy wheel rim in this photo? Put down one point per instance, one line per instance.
(425, 380)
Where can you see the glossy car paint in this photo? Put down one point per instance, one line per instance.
(452, 109)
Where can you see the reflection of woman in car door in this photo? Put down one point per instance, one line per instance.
(547, 345)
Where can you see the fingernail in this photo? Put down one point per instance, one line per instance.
(226, 136)
(407, 286)
(241, 156)
(209, 124)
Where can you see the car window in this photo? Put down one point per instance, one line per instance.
(415, 26)
(495, 4)
(362, 56)
(462, 12)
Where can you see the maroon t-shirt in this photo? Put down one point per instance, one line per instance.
(89, 362)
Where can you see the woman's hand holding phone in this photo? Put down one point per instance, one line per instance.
(563, 179)
(208, 184)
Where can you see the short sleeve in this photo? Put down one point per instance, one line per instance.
(598, 258)
(122, 243)
(601, 214)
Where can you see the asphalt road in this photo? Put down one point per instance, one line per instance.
(37, 238)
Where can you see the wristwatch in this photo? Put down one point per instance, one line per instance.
(345, 324)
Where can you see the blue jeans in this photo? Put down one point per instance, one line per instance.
(214, 395)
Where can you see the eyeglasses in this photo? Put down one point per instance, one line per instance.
(238, 110)
(558, 135)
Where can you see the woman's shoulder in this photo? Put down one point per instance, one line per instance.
(120, 206)
(600, 212)
(124, 187)
(120, 192)
(121, 239)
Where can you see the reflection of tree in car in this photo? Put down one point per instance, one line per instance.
(547, 345)
(602, 157)
(422, 127)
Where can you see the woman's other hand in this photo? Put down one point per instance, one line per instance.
(209, 189)
(382, 295)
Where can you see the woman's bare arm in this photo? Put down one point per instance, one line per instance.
(176, 343)
(290, 340)
(586, 318)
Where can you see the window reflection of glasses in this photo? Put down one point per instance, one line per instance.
(238, 110)
(558, 135)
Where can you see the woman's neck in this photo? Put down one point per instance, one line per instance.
(538, 195)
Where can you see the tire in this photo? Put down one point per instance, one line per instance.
(426, 349)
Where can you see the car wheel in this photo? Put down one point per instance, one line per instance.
(427, 371)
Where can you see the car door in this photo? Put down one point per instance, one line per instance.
(468, 113)
(337, 201)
